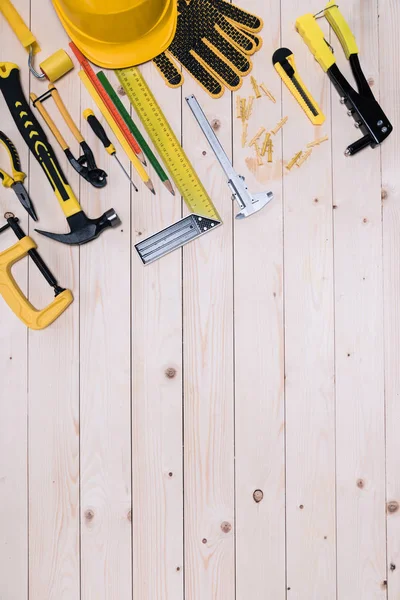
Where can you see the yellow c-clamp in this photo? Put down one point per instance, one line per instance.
(11, 292)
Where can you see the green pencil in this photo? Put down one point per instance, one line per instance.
(135, 131)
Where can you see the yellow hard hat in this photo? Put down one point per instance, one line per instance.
(115, 34)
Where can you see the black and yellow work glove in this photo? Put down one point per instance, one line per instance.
(214, 40)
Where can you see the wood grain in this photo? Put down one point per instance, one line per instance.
(136, 429)
(157, 453)
(359, 341)
(259, 345)
(13, 373)
(309, 336)
(208, 372)
(105, 386)
(53, 378)
(390, 194)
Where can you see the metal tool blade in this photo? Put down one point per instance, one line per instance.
(175, 236)
(303, 94)
(23, 197)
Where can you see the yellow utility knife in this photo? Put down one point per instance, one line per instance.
(361, 104)
(283, 61)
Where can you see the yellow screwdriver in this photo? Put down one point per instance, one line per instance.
(98, 129)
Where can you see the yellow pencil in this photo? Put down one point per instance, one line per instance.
(104, 111)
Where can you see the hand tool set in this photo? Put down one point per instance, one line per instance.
(82, 228)
(214, 41)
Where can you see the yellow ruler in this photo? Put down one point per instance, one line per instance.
(166, 143)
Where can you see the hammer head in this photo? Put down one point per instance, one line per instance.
(83, 229)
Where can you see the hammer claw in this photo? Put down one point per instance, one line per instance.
(83, 229)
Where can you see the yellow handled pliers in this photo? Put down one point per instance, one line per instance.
(18, 177)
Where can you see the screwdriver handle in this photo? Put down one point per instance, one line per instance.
(18, 175)
(35, 138)
(99, 130)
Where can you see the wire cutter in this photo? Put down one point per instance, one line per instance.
(361, 105)
(15, 182)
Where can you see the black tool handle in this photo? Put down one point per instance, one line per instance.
(35, 137)
(12, 151)
(34, 254)
(98, 129)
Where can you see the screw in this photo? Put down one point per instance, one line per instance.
(380, 123)
(384, 129)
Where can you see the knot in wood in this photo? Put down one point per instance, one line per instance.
(393, 506)
(121, 91)
(371, 81)
(215, 124)
(129, 515)
(89, 514)
(226, 527)
(384, 194)
(170, 372)
(258, 495)
(360, 483)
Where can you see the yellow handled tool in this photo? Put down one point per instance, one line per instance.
(85, 165)
(361, 104)
(313, 36)
(114, 128)
(11, 292)
(83, 229)
(283, 61)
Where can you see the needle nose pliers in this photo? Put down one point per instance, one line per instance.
(15, 182)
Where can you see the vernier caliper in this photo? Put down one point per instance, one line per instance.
(248, 203)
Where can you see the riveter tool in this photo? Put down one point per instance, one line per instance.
(83, 229)
(15, 182)
(11, 292)
(362, 105)
(248, 203)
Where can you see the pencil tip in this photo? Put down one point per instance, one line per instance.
(150, 185)
(169, 187)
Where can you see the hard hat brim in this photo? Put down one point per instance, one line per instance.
(120, 56)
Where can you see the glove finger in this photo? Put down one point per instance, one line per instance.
(236, 36)
(240, 17)
(168, 70)
(257, 41)
(217, 65)
(202, 75)
(233, 57)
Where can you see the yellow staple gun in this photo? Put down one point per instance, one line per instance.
(12, 294)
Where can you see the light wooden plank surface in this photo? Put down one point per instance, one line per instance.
(389, 91)
(135, 431)
(309, 338)
(14, 377)
(360, 412)
(259, 347)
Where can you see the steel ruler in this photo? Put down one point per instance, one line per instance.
(205, 216)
